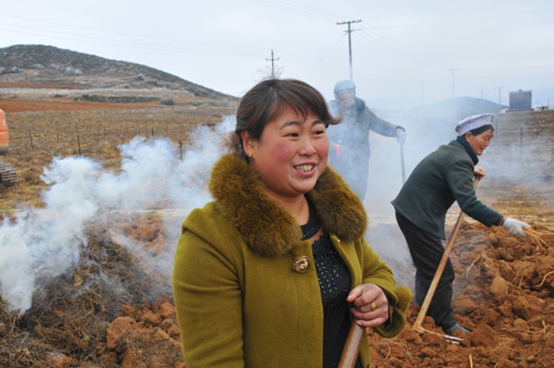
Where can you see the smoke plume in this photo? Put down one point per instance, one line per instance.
(45, 243)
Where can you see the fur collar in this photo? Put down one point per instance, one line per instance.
(268, 229)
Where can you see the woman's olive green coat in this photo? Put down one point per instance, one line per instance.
(240, 302)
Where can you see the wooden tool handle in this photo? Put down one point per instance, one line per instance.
(402, 163)
(352, 346)
(431, 291)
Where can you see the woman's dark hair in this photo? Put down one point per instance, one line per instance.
(266, 101)
(481, 129)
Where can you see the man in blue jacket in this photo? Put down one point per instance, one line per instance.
(350, 156)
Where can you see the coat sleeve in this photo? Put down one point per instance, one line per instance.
(207, 296)
(460, 180)
(376, 271)
(379, 125)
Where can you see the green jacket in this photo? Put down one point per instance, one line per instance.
(441, 178)
(239, 300)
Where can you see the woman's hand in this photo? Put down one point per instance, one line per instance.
(480, 173)
(362, 298)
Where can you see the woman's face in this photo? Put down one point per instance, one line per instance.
(290, 155)
(479, 142)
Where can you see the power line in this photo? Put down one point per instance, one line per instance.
(331, 49)
(110, 32)
(289, 6)
(136, 45)
(466, 20)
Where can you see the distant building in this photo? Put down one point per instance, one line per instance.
(520, 101)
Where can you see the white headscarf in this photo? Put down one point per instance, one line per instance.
(473, 122)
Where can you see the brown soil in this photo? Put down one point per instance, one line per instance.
(18, 105)
(116, 310)
(504, 296)
(8, 84)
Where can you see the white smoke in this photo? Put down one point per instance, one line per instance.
(46, 243)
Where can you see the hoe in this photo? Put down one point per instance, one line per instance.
(354, 340)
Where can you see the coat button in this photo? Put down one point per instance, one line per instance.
(301, 264)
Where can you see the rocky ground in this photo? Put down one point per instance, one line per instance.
(103, 314)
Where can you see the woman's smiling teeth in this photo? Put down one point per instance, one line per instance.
(304, 168)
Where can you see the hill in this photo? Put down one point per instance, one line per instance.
(40, 66)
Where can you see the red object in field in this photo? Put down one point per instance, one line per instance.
(4, 138)
(337, 149)
(8, 176)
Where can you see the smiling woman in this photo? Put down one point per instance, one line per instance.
(272, 272)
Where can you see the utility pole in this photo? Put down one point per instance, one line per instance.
(453, 69)
(499, 95)
(350, 42)
(272, 66)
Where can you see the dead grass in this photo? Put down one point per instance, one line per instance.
(37, 137)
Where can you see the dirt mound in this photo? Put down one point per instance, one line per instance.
(504, 290)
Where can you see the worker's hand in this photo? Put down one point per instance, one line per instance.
(361, 298)
(480, 173)
(515, 226)
(400, 136)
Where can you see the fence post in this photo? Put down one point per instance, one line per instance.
(520, 143)
(31, 138)
(79, 143)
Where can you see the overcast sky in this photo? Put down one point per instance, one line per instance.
(408, 50)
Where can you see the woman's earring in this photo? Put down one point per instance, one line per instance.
(251, 154)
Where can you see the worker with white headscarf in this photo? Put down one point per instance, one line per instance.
(444, 176)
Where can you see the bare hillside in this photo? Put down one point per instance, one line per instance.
(40, 66)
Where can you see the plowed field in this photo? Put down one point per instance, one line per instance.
(115, 308)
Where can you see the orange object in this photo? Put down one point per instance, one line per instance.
(8, 176)
(337, 149)
(4, 138)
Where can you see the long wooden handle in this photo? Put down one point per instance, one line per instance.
(352, 346)
(440, 269)
(402, 163)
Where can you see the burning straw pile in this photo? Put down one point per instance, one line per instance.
(70, 320)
